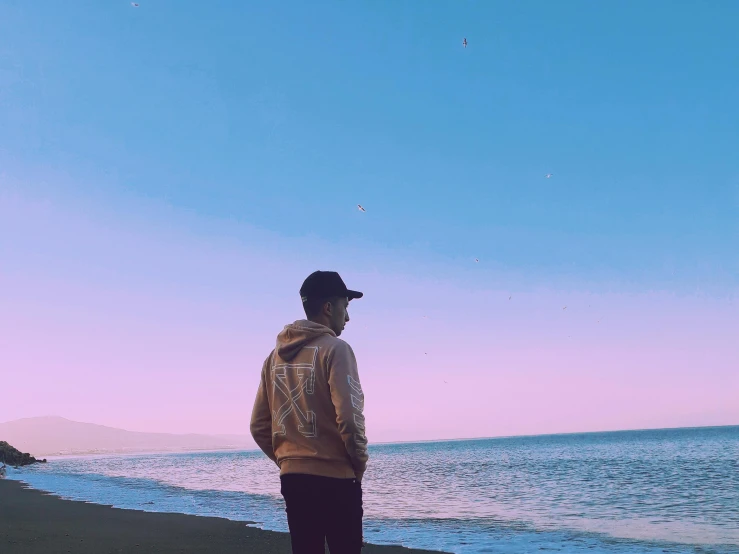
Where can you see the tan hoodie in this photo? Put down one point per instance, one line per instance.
(307, 416)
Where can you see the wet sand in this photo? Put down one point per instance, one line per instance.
(34, 522)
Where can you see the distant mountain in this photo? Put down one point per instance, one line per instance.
(49, 436)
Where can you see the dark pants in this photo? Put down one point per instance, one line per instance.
(323, 509)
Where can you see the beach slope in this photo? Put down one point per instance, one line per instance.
(33, 522)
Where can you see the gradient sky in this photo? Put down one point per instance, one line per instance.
(169, 175)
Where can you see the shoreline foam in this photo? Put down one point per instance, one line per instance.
(36, 522)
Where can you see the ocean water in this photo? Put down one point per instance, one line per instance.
(638, 492)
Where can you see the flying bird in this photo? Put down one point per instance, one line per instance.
(134, 4)
(510, 297)
(548, 175)
(564, 308)
(476, 260)
(361, 209)
(464, 43)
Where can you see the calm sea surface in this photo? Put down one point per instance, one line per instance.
(636, 491)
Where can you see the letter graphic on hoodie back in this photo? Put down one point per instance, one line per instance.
(291, 382)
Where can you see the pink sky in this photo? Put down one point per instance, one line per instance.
(150, 319)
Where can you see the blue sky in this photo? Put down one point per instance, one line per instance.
(287, 116)
(235, 129)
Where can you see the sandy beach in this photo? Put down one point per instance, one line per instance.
(33, 522)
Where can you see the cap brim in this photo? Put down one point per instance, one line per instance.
(353, 294)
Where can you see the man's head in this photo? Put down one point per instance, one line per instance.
(326, 299)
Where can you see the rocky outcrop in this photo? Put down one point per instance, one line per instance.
(13, 457)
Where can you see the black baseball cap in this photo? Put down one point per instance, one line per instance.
(326, 284)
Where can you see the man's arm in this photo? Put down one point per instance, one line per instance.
(348, 400)
(261, 417)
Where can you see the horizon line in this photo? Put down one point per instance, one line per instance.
(564, 434)
(227, 449)
(457, 439)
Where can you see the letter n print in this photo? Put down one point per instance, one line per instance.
(358, 404)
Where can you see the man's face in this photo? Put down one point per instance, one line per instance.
(339, 314)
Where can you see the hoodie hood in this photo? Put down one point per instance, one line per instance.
(296, 335)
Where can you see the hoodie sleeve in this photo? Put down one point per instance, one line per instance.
(261, 416)
(348, 400)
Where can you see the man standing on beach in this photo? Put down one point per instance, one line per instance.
(308, 419)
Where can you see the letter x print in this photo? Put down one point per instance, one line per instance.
(294, 381)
